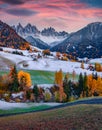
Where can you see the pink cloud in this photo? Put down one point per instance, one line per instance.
(67, 15)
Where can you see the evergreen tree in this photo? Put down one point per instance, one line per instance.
(85, 88)
(80, 84)
(14, 76)
(66, 87)
(36, 91)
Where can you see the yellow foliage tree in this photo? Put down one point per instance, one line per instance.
(24, 79)
(98, 67)
(59, 82)
(99, 86)
(94, 85)
(47, 96)
(89, 84)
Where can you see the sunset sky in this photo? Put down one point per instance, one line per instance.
(68, 15)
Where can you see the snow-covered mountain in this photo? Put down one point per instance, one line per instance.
(47, 35)
(24, 31)
(86, 42)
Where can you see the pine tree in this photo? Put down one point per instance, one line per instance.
(14, 76)
(80, 84)
(36, 91)
(85, 88)
(66, 87)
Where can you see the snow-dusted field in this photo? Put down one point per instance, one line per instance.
(48, 64)
(7, 105)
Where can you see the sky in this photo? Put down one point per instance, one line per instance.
(63, 15)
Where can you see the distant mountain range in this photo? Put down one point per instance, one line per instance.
(47, 35)
(86, 42)
(9, 38)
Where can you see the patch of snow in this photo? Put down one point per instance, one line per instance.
(73, 47)
(89, 47)
(96, 60)
(7, 105)
(14, 95)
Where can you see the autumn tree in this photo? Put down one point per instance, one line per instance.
(24, 80)
(98, 67)
(6, 82)
(57, 96)
(73, 75)
(47, 96)
(92, 84)
(59, 81)
(98, 89)
(82, 65)
(46, 52)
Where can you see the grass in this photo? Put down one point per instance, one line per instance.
(41, 77)
(3, 72)
(79, 117)
(23, 110)
(44, 77)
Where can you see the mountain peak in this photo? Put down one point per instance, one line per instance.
(19, 25)
(32, 30)
(28, 25)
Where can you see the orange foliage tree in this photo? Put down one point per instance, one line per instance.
(82, 65)
(94, 85)
(24, 79)
(46, 52)
(98, 67)
(59, 82)
(99, 86)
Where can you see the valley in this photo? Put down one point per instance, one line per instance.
(51, 65)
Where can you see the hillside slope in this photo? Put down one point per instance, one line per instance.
(86, 42)
(9, 38)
